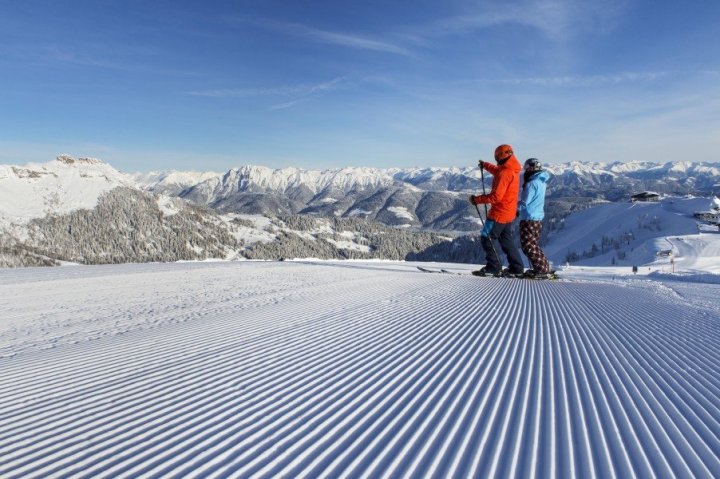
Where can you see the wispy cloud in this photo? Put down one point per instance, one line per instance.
(349, 40)
(589, 80)
(287, 104)
(249, 92)
(343, 39)
(54, 54)
(297, 93)
(556, 18)
(99, 56)
(283, 90)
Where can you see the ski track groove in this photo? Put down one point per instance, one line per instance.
(202, 357)
(355, 399)
(355, 375)
(181, 380)
(444, 356)
(651, 390)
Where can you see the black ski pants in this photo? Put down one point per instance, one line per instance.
(503, 232)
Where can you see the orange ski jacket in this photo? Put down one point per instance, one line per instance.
(503, 197)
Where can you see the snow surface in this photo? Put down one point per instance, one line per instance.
(355, 369)
(167, 205)
(56, 187)
(280, 180)
(653, 226)
(172, 180)
(401, 212)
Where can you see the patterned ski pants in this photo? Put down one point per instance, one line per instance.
(530, 243)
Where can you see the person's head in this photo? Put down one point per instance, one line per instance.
(533, 165)
(503, 153)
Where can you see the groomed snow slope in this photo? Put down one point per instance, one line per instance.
(351, 369)
(647, 223)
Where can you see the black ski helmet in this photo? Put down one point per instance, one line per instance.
(533, 164)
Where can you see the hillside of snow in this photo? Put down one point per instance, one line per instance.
(59, 186)
(172, 182)
(627, 233)
(354, 369)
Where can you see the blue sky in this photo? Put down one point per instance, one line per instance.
(209, 85)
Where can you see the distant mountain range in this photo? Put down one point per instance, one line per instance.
(83, 210)
(428, 198)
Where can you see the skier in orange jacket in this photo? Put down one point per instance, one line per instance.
(503, 201)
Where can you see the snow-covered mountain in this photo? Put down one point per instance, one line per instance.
(86, 211)
(57, 187)
(368, 193)
(433, 198)
(620, 234)
(629, 233)
(172, 182)
(258, 179)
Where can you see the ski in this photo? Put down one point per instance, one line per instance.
(441, 271)
(549, 277)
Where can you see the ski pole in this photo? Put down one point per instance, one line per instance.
(482, 179)
(480, 216)
(490, 237)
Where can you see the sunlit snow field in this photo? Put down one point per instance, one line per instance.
(360, 369)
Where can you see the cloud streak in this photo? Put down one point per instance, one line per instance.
(100, 56)
(328, 37)
(285, 90)
(558, 19)
(297, 93)
(347, 40)
(583, 81)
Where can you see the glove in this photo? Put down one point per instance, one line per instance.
(474, 199)
(481, 164)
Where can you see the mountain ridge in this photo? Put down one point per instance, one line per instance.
(310, 213)
(428, 198)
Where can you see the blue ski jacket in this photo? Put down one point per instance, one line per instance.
(532, 199)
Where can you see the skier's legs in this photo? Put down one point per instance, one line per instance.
(487, 237)
(530, 242)
(507, 242)
(527, 238)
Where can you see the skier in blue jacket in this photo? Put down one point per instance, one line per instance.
(531, 210)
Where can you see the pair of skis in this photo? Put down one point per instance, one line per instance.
(551, 276)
